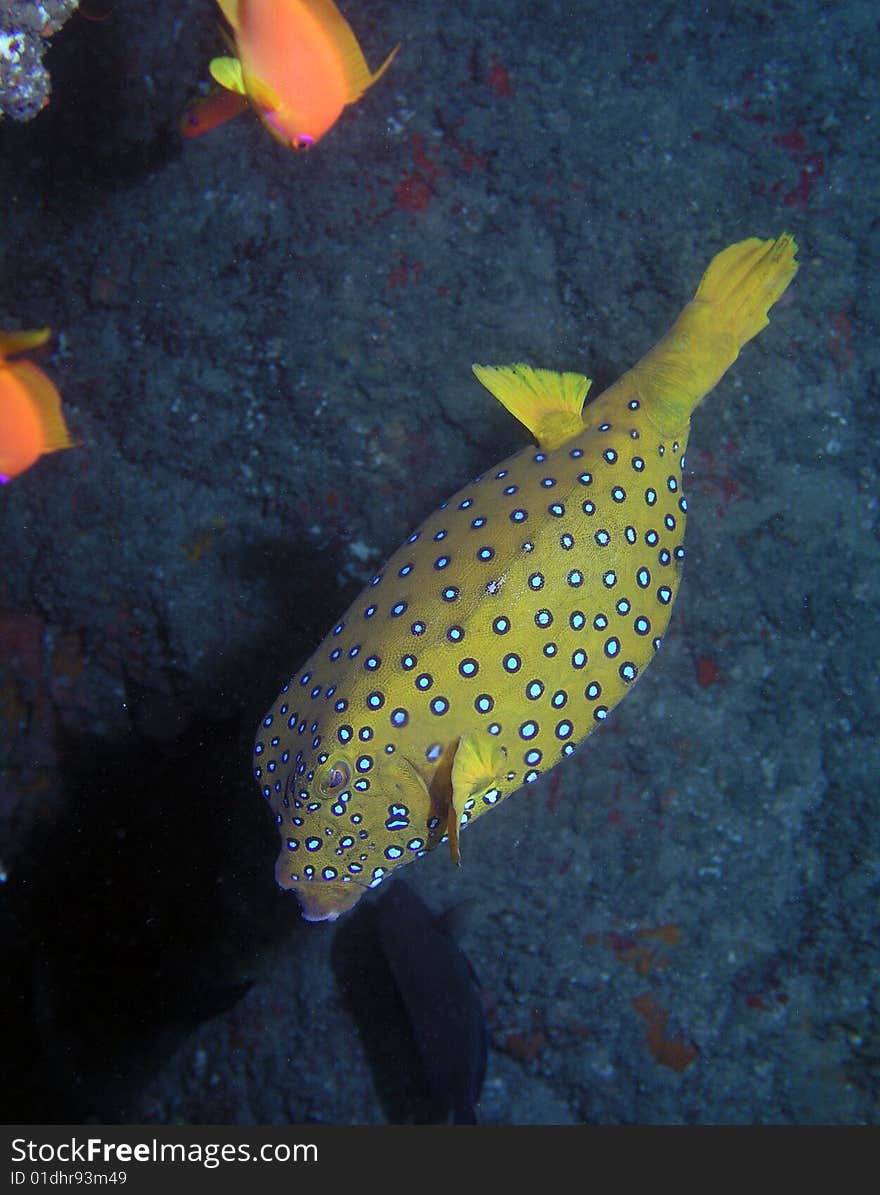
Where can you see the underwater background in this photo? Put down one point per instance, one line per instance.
(267, 358)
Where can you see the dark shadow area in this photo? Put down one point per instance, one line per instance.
(371, 997)
(417, 1004)
(134, 918)
(306, 598)
(100, 131)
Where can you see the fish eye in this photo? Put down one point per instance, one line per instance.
(337, 775)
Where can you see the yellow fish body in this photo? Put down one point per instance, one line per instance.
(517, 616)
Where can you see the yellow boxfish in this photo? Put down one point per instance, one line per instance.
(516, 617)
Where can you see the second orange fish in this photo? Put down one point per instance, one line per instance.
(31, 423)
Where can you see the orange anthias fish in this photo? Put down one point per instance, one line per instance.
(297, 62)
(31, 423)
(207, 111)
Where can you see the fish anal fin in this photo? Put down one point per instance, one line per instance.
(479, 765)
(228, 73)
(549, 404)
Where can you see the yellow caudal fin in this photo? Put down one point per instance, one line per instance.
(730, 307)
(549, 404)
(479, 765)
(744, 281)
(19, 342)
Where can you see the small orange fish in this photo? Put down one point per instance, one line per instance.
(31, 423)
(298, 63)
(207, 111)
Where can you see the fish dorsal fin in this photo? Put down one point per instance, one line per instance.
(549, 404)
(47, 405)
(227, 72)
(358, 76)
(19, 342)
(480, 764)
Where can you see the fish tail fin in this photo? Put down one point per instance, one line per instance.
(744, 281)
(358, 75)
(377, 75)
(730, 307)
(47, 405)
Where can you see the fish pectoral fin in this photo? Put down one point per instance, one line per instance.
(410, 787)
(479, 766)
(549, 404)
(19, 342)
(227, 72)
(406, 778)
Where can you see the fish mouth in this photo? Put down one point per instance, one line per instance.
(327, 900)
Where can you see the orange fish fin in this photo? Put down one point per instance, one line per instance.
(376, 75)
(478, 768)
(230, 8)
(208, 111)
(549, 404)
(358, 76)
(19, 342)
(47, 405)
